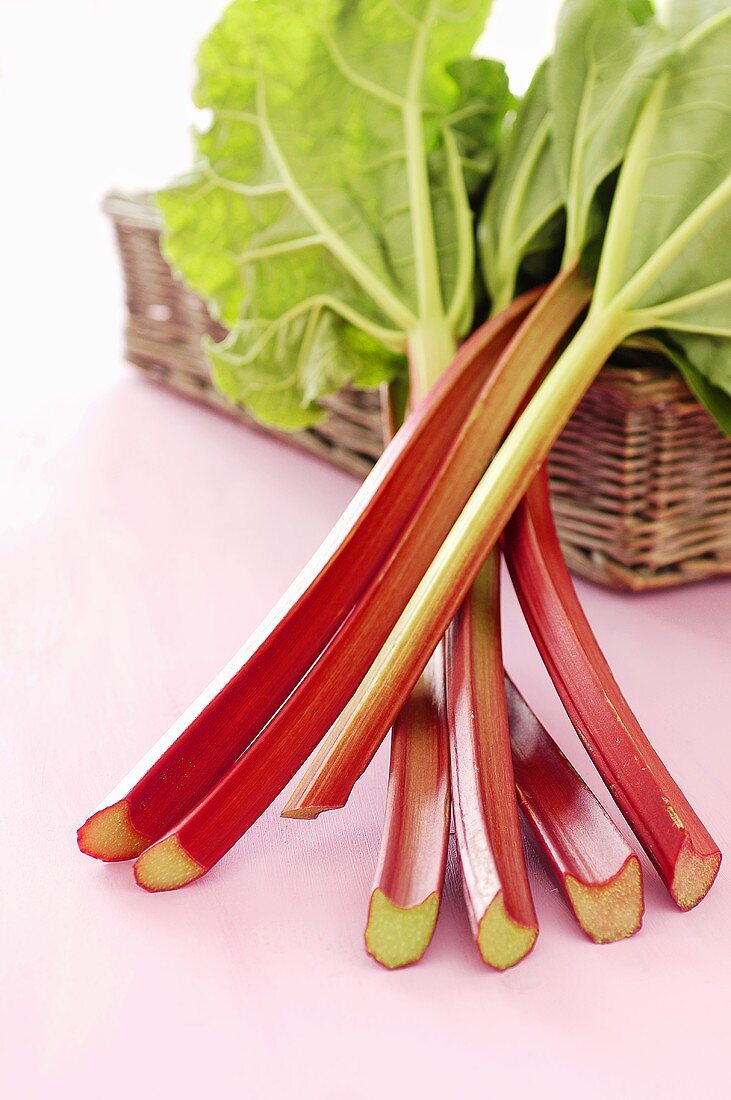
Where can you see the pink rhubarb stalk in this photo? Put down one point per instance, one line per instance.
(595, 868)
(486, 820)
(228, 715)
(406, 893)
(685, 855)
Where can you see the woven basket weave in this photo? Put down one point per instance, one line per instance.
(640, 478)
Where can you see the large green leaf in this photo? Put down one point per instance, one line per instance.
(705, 365)
(522, 218)
(666, 261)
(607, 56)
(331, 191)
(326, 354)
(478, 125)
(568, 139)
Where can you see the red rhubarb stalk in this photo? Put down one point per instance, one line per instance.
(595, 868)
(407, 889)
(231, 806)
(249, 786)
(233, 709)
(486, 820)
(685, 855)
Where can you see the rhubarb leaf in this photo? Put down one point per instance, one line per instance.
(705, 364)
(328, 215)
(522, 220)
(278, 371)
(666, 263)
(569, 137)
(607, 55)
(478, 124)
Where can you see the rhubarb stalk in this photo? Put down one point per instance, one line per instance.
(405, 900)
(249, 786)
(596, 870)
(487, 827)
(685, 855)
(350, 745)
(407, 887)
(233, 709)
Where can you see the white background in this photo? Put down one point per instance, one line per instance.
(95, 96)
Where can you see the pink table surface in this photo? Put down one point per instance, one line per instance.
(143, 538)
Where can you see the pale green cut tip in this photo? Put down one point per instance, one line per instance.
(166, 866)
(397, 936)
(110, 835)
(694, 876)
(502, 941)
(612, 910)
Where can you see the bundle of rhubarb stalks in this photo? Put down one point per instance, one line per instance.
(371, 203)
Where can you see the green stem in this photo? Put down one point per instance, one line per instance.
(429, 289)
(575, 213)
(464, 236)
(672, 247)
(622, 216)
(381, 294)
(431, 348)
(510, 220)
(528, 444)
(390, 338)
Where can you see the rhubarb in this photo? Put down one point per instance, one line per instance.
(327, 218)
(677, 842)
(233, 709)
(354, 738)
(487, 828)
(616, 162)
(597, 871)
(406, 893)
(407, 889)
(231, 806)
(645, 260)
(535, 182)
(321, 279)
(587, 104)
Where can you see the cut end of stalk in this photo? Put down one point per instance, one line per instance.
(502, 941)
(395, 936)
(110, 835)
(303, 813)
(611, 910)
(694, 876)
(166, 866)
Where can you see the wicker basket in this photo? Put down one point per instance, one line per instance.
(640, 478)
